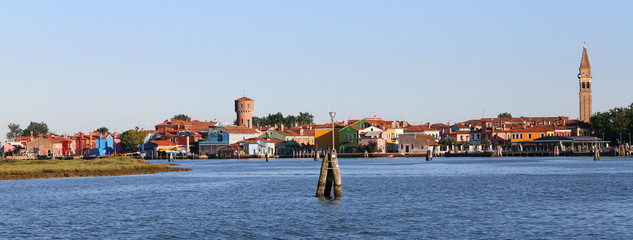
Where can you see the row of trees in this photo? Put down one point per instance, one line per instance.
(279, 118)
(35, 127)
(613, 124)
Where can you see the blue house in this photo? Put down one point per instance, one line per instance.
(103, 146)
(223, 136)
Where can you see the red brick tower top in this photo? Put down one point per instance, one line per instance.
(244, 108)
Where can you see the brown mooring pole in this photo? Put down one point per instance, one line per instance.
(338, 186)
(323, 176)
(330, 177)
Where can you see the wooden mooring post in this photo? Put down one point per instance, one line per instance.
(330, 177)
(596, 154)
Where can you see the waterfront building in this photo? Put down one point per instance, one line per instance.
(526, 133)
(223, 136)
(349, 137)
(411, 143)
(323, 135)
(162, 148)
(423, 129)
(44, 146)
(103, 146)
(584, 79)
(244, 109)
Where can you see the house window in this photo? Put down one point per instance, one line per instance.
(529, 135)
(588, 85)
(176, 139)
(541, 135)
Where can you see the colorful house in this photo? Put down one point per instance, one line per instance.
(349, 137)
(323, 135)
(222, 136)
(103, 146)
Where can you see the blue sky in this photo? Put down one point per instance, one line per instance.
(80, 65)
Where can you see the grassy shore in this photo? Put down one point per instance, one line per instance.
(11, 169)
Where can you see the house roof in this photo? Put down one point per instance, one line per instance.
(198, 125)
(163, 142)
(238, 130)
(419, 128)
(243, 99)
(424, 138)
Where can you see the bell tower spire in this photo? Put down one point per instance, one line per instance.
(584, 77)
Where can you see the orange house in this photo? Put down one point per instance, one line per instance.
(323, 135)
(526, 134)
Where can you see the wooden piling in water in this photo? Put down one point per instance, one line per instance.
(338, 186)
(322, 177)
(429, 155)
(330, 177)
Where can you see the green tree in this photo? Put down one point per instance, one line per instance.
(504, 115)
(372, 147)
(279, 118)
(182, 117)
(132, 138)
(14, 131)
(612, 123)
(486, 142)
(449, 141)
(36, 128)
(305, 118)
(102, 130)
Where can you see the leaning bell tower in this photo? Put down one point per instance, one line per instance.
(584, 77)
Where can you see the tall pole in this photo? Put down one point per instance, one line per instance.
(332, 114)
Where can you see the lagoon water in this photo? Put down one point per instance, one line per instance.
(402, 198)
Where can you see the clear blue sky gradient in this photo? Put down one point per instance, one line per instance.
(80, 65)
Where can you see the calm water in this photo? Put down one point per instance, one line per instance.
(515, 198)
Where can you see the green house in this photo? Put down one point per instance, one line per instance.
(349, 137)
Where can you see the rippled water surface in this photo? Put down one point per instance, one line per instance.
(400, 198)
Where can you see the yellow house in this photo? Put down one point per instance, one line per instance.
(323, 135)
(527, 134)
(393, 134)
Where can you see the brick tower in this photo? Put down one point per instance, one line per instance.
(244, 108)
(585, 76)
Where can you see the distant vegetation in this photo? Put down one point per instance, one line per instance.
(278, 118)
(504, 115)
(182, 117)
(102, 130)
(29, 169)
(35, 127)
(132, 139)
(613, 124)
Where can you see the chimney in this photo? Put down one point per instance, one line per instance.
(282, 127)
(31, 135)
(296, 124)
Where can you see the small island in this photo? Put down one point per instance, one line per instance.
(14, 169)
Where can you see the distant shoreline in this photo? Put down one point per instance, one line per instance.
(11, 169)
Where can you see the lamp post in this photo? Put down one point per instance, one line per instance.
(332, 114)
